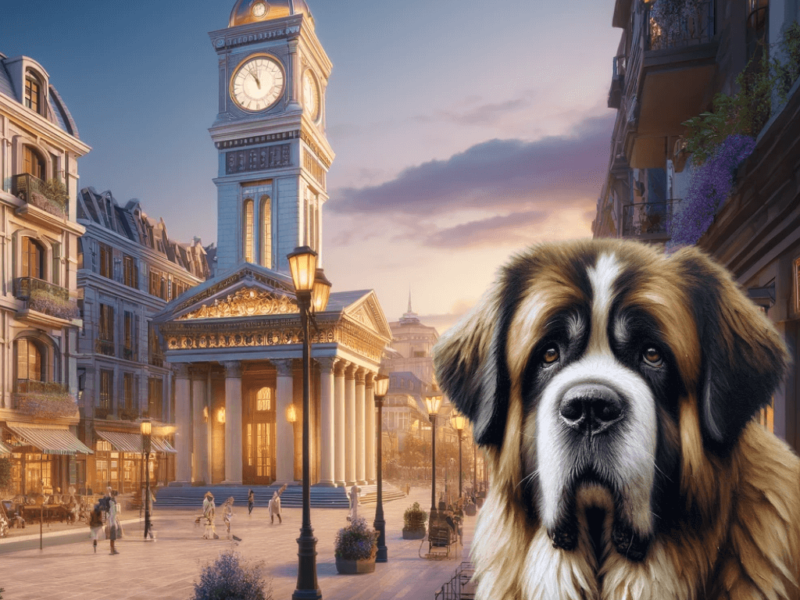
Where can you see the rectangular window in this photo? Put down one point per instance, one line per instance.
(56, 264)
(131, 339)
(105, 342)
(158, 284)
(154, 349)
(106, 261)
(106, 388)
(130, 272)
(80, 253)
(155, 391)
(32, 94)
(128, 391)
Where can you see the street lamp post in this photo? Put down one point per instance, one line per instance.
(312, 289)
(433, 400)
(381, 386)
(459, 422)
(147, 429)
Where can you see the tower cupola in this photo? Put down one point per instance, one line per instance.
(258, 11)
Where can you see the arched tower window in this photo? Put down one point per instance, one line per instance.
(33, 93)
(32, 259)
(31, 363)
(249, 241)
(33, 163)
(264, 399)
(266, 232)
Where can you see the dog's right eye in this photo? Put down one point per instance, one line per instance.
(550, 355)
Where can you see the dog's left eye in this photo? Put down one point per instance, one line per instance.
(653, 357)
(550, 355)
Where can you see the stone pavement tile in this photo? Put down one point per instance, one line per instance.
(168, 569)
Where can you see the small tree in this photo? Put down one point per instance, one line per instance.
(228, 578)
(414, 518)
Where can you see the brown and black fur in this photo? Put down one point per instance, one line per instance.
(726, 492)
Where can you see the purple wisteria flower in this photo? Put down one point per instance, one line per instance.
(709, 186)
(356, 542)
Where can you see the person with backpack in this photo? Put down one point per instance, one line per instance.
(95, 525)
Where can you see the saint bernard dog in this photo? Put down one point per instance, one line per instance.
(614, 390)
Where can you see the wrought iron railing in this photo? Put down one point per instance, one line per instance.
(648, 218)
(457, 588)
(24, 286)
(47, 298)
(105, 347)
(689, 25)
(128, 414)
(101, 412)
(33, 191)
(130, 354)
(156, 359)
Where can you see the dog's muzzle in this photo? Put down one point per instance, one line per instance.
(591, 409)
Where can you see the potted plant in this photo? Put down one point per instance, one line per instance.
(356, 547)
(414, 522)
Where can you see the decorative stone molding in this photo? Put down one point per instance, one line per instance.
(284, 367)
(327, 364)
(370, 382)
(245, 302)
(181, 371)
(340, 367)
(244, 274)
(361, 374)
(197, 373)
(259, 139)
(309, 141)
(233, 369)
(350, 371)
(258, 159)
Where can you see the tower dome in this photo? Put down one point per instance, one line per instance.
(257, 11)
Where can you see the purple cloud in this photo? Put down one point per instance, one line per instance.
(502, 229)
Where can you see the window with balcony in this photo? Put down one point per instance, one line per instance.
(32, 259)
(31, 363)
(158, 284)
(33, 93)
(130, 272)
(155, 391)
(106, 261)
(106, 390)
(33, 163)
(106, 339)
(129, 411)
(131, 336)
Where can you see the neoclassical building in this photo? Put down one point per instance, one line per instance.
(235, 339)
(39, 321)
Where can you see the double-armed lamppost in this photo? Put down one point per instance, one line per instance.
(312, 290)
(147, 429)
(380, 387)
(459, 421)
(433, 401)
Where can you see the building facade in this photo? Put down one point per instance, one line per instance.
(128, 270)
(668, 70)
(235, 339)
(39, 320)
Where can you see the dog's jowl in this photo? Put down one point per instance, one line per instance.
(614, 390)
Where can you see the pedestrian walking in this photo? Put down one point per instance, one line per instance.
(275, 509)
(251, 500)
(353, 504)
(209, 514)
(227, 515)
(95, 525)
(113, 521)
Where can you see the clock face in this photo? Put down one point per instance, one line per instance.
(259, 9)
(311, 95)
(258, 83)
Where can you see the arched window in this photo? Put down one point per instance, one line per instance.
(33, 93)
(33, 163)
(249, 254)
(264, 399)
(32, 259)
(31, 363)
(266, 232)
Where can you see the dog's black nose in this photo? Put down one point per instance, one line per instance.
(591, 408)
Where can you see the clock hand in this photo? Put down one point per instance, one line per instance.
(255, 76)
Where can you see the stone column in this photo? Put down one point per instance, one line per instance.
(294, 76)
(361, 448)
(183, 426)
(369, 411)
(284, 431)
(327, 422)
(233, 423)
(201, 472)
(339, 422)
(350, 425)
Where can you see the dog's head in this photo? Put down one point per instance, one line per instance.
(620, 368)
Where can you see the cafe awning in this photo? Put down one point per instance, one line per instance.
(49, 439)
(122, 441)
(162, 445)
(4, 449)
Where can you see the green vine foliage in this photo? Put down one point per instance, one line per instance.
(5, 473)
(55, 190)
(747, 111)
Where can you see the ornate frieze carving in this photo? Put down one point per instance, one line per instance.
(314, 167)
(259, 139)
(245, 302)
(244, 274)
(309, 141)
(326, 364)
(249, 38)
(258, 159)
(284, 367)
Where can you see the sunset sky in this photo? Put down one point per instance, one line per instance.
(464, 129)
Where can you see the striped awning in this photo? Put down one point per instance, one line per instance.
(122, 441)
(162, 445)
(49, 439)
(4, 449)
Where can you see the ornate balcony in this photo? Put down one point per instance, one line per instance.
(105, 347)
(130, 354)
(101, 412)
(128, 415)
(36, 192)
(44, 298)
(45, 400)
(617, 82)
(691, 25)
(648, 221)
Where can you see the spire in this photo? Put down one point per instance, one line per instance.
(409, 301)
(410, 318)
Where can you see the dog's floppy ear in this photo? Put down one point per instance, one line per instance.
(743, 357)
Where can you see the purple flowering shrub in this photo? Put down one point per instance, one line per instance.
(356, 541)
(228, 579)
(709, 186)
(45, 400)
(51, 304)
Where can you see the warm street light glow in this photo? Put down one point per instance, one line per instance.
(291, 414)
(221, 415)
(381, 385)
(322, 292)
(459, 421)
(147, 427)
(433, 401)
(303, 265)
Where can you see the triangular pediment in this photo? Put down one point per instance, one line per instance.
(367, 311)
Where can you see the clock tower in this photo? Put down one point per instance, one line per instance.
(274, 155)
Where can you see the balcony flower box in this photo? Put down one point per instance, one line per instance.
(45, 400)
(356, 548)
(49, 303)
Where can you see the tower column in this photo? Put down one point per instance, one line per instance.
(183, 421)
(294, 77)
(327, 422)
(233, 423)
(350, 424)
(284, 431)
(361, 476)
(369, 411)
(339, 421)
(200, 469)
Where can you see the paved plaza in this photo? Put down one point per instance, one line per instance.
(166, 570)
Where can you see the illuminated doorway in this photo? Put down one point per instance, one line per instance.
(259, 437)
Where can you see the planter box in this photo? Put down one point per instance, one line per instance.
(355, 567)
(413, 534)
